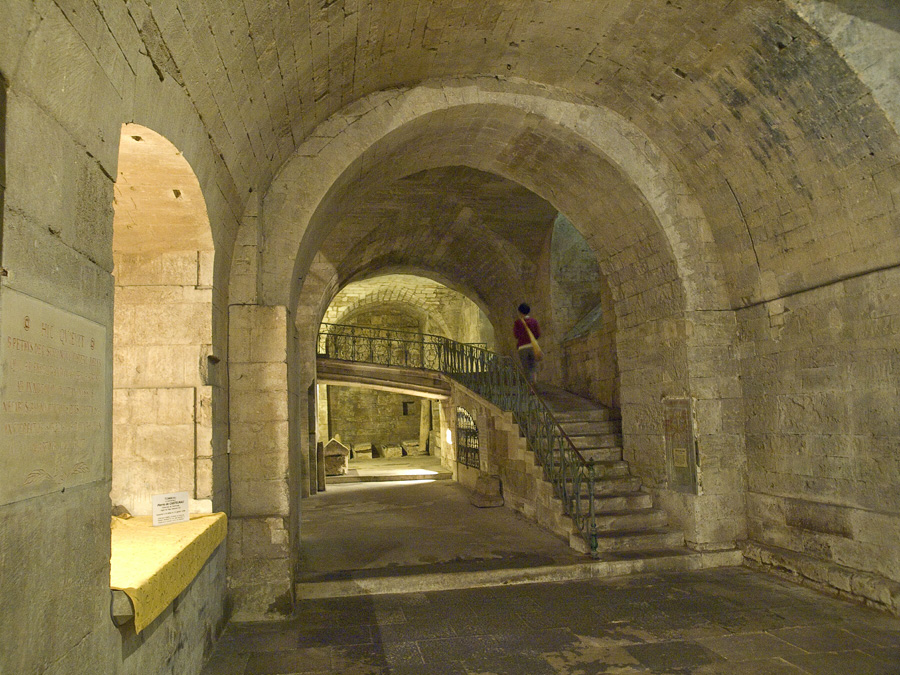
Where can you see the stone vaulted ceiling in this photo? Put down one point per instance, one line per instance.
(771, 132)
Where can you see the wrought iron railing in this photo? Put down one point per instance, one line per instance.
(495, 378)
(468, 451)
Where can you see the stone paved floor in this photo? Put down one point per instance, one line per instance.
(727, 621)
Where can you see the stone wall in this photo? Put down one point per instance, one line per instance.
(823, 421)
(162, 426)
(440, 310)
(504, 453)
(75, 75)
(196, 617)
(574, 276)
(2, 147)
(590, 364)
(368, 416)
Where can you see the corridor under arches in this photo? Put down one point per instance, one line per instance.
(700, 202)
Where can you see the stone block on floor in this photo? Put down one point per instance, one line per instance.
(487, 492)
(363, 451)
(412, 448)
(337, 458)
(391, 451)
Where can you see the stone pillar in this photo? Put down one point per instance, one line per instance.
(424, 425)
(259, 550)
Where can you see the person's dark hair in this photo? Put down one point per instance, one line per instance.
(524, 308)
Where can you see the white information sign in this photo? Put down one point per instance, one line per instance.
(171, 508)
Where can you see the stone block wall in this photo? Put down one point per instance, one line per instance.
(74, 76)
(162, 399)
(369, 416)
(443, 310)
(2, 146)
(196, 616)
(56, 235)
(590, 364)
(259, 531)
(575, 279)
(504, 453)
(823, 423)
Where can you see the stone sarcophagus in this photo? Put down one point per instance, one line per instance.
(337, 458)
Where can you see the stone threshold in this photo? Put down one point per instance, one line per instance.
(395, 580)
(385, 478)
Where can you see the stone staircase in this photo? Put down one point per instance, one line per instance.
(629, 525)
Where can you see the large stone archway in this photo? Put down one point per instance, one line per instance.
(675, 325)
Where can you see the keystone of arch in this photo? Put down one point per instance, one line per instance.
(289, 245)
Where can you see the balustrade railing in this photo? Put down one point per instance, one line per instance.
(495, 378)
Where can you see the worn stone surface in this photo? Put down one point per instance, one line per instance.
(734, 167)
(821, 399)
(713, 621)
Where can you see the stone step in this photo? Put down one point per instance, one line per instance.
(630, 501)
(615, 485)
(591, 415)
(608, 470)
(418, 580)
(579, 428)
(627, 523)
(632, 521)
(619, 502)
(658, 538)
(613, 454)
(596, 440)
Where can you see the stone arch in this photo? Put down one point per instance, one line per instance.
(296, 202)
(675, 326)
(163, 268)
(372, 304)
(431, 299)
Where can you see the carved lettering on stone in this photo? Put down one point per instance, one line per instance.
(53, 398)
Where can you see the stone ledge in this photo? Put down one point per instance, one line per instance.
(867, 588)
(153, 565)
(661, 562)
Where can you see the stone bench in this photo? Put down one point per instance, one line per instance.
(150, 566)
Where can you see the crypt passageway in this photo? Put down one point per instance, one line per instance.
(700, 201)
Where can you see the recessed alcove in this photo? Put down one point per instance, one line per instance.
(163, 370)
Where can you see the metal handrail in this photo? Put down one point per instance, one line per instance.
(495, 378)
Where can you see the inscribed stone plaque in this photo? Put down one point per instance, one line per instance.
(681, 453)
(53, 398)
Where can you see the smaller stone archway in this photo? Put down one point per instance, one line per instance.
(164, 368)
(389, 302)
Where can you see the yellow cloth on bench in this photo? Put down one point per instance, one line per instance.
(154, 564)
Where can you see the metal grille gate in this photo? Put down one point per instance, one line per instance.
(467, 439)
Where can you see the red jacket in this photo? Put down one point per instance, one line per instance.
(521, 334)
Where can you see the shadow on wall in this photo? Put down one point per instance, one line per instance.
(881, 12)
